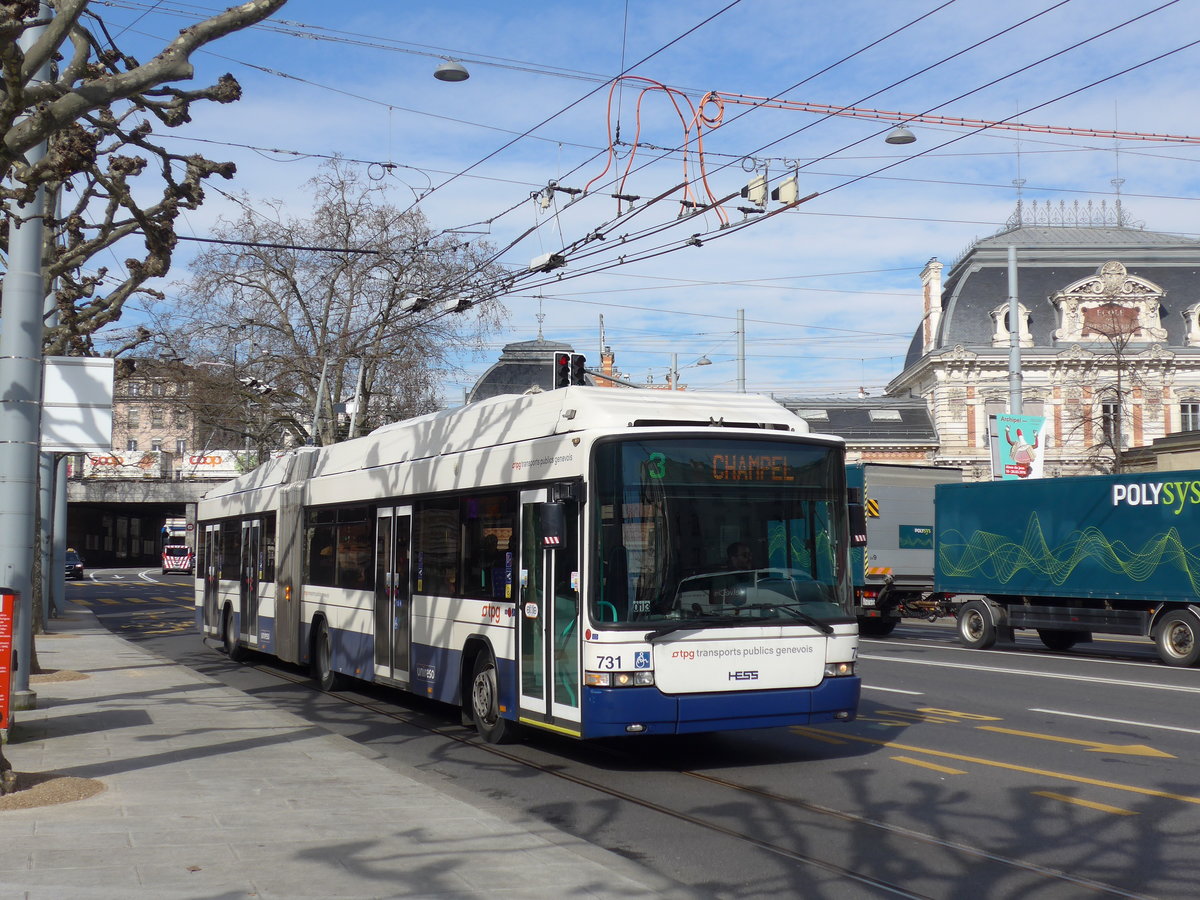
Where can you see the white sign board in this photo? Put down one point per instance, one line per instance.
(132, 464)
(77, 400)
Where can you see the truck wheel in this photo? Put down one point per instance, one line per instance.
(975, 628)
(1057, 639)
(875, 627)
(1178, 638)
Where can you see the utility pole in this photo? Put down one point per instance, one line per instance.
(20, 405)
(1014, 337)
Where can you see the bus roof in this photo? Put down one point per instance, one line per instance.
(509, 419)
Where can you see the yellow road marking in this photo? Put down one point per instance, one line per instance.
(1093, 746)
(1012, 767)
(1090, 804)
(946, 770)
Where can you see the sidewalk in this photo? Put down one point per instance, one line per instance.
(211, 793)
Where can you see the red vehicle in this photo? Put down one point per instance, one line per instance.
(178, 558)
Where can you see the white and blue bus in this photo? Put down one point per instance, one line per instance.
(590, 561)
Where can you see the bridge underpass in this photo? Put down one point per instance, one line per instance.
(118, 522)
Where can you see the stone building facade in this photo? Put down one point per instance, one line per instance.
(1109, 330)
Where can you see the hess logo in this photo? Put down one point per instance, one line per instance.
(751, 675)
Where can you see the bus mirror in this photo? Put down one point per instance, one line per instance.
(552, 519)
(858, 525)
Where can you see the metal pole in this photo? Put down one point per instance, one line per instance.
(20, 406)
(674, 371)
(58, 562)
(1014, 337)
(741, 351)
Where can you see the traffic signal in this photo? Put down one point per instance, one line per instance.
(578, 369)
(562, 370)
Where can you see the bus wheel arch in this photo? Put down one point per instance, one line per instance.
(1177, 637)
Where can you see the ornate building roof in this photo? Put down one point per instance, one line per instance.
(1053, 255)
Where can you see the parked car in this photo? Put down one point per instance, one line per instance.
(178, 558)
(74, 565)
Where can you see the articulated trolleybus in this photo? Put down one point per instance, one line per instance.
(589, 561)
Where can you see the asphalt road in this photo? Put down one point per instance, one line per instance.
(1013, 772)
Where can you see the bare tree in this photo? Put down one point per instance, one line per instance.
(97, 110)
(359, 302)
(1110, 376)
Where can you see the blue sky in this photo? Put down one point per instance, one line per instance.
(830, 290)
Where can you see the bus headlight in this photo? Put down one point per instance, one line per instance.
(618, 679)
(837, 670)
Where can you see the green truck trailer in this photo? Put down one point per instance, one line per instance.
(1117, 554)
(893, 570)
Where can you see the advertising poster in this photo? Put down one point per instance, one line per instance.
(1018, 446)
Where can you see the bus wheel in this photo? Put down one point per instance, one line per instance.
(229, 637)
(322, 661)
(1178, 638)
(975, 628)
(485, 702)
(1057, 639)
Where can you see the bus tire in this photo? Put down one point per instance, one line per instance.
(229, 637)
(322, 661)
(1057, 639)
(1177, 637)
(485, 702)
(975, 627)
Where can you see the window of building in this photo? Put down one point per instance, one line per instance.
(1110, 422)
(131, 445)
(181, 446)
(134, 388)
(158, 389)
(158, 417)
(133, 417)
(156, 444)
(1189, 416)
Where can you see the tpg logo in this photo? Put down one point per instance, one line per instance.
(1175, 494)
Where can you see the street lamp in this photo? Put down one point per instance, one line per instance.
(702, 361)
(452, 71)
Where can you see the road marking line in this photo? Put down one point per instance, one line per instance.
(1116, 682)
(1090, 804)
(928, 765)
(1093, 746)
(823, 737)
(875, 687)
(1012, 767)
(1059, 712)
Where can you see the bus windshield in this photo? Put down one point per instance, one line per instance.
(721, 531)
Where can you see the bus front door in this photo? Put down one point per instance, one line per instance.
(211, 567)
(392, 617)
(251, 569)
(548, 639)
